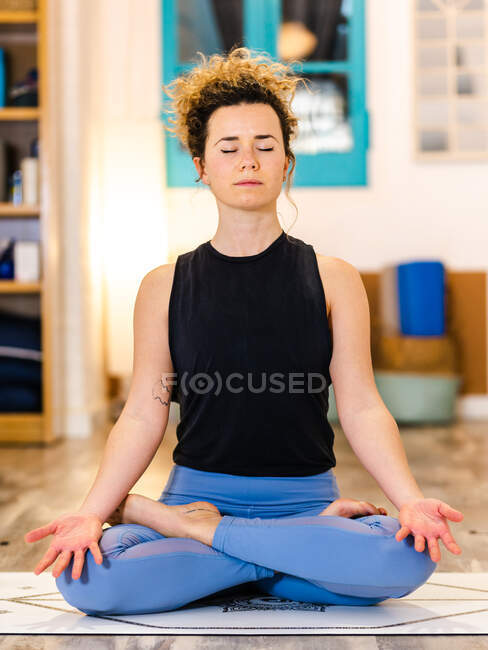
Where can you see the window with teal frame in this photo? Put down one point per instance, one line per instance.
(327, 37)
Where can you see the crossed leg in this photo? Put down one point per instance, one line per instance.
(364, 564)
(325, 559)
(143, 571)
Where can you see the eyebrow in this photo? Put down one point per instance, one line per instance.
(235, 137)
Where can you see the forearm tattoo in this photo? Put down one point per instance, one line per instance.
(160, 391)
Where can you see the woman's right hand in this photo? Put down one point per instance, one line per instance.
(73, 533)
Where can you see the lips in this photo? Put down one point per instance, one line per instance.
(249, 183)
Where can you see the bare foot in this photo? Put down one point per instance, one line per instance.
(196, 520)
(352, 508)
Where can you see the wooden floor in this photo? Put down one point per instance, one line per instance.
(450, 463)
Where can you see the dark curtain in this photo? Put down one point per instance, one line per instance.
(320, 16)
(229, 18)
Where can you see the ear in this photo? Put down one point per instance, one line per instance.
(199, 166)
(285, 169)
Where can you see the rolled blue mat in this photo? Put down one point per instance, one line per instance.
(421, 297)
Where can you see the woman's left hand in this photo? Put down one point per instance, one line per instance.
(426, 519)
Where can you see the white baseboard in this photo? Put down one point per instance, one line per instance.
(472, 407)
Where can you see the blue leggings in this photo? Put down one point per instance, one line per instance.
(271, 534)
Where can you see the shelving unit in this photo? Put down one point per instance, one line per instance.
(17, 125)
(450, 79)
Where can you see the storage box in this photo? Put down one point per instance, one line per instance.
(416, 353)
(27, 261)
(413, 398)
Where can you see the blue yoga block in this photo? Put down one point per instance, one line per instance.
(413, 398)
(421, 298)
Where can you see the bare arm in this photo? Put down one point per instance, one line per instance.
(140, 428)
(366, 421)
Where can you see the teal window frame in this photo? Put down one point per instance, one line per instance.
(261, 20)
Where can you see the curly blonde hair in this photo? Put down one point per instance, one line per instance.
(242, 76)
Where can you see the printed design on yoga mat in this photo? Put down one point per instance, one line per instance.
(275, 603)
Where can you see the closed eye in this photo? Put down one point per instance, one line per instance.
(234, 150)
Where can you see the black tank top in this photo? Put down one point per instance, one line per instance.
(251, 347)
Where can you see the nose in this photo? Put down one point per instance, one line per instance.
(248, 160)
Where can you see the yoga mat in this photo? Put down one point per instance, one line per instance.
(448, 603)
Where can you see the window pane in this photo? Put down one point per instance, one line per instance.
(475, 5)
(473, 140)
(314, 30)
(433, 112)
(432, 84)
(427, 5)
(469, 26)
(208, 26)
(471, 84)
(432, 57)
(472, 112)
(323, 115)
(433, 141)
(429, 28)
(470, 55)
(443, 5)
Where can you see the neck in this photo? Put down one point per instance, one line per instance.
(241, 238)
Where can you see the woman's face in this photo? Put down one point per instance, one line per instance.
(236, 150)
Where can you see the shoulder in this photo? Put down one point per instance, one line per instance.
(160, 276)
(335, 268)
(335, 273)
(162, 271)
(160, 279)
(342, 282)
(155, 286)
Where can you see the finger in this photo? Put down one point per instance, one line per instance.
(39, 533)
(434, 549)
(383, 511)
(62, 563)
(97, 554)
(402, 533)
(419, 543)
(49, 557)
(450, 543)
(450, 513)
(78, 564)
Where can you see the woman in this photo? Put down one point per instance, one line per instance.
(252, 495)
